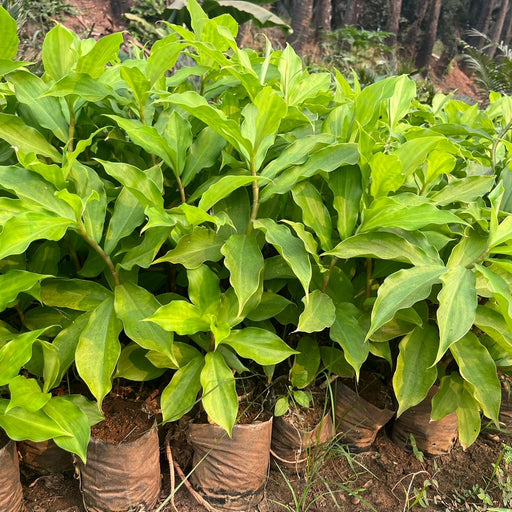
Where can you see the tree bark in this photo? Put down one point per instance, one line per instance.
(393, 21)
(323, 15)
(301, 22)
(484, 20)
(496, 35)
(352, 12)
(414, 29)
(507, 29)
(424, 56)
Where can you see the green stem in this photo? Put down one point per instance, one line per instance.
(72, 126)
(104, 256)
(369, 277)
(329, 273)
(255, 199)
(496, 141)
(182, 189)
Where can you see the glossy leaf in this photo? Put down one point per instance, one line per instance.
(415, 373)
(134, 365)
(98, 349)
(27, 394)
(8, 29)
(386, 173)
(181, 317)
(14, 282)
(204, 290)
(219, 397)
(306, 363)
(319, 312)
(59, 53)
(76, 294)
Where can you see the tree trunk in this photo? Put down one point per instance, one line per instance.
(507, 29)
(352, 12)
(424, 56)
(393, 22)
(301, 21)
(484, 20)
(496, 35)
(323, 15)
(409, 50)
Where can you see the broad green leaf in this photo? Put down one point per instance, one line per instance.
(132, 305)
(223, 188)
(404, 91)
(457, 306)
(325, 159)
(20, 424)
(219, 397)
(262, 346)
(408, 217)
(386, 174)
(319, 312)
(193, 250)
(243, 259)
(415, 372)
(59, 52)
(500, 290)
(306, 363)
(51, 364)
(204, 290)
(90, 408)
(346, 186)
(27, 394)
(105, 51)
(289, 247)
(15, 354)
(413, 153)
(14, 282)
(270, 305)
(138, 83)
(349, 334)
(83, 86)
(282, 406)
(25, 138)
(8, 29)
(503, 232)
(144, 253)
(76, 294)
(127, 216)
(492, 323)
(477, 367)
(180, 395)
(314, 213)
(382, 245)
(464, 190)
(334, 361)
(402, 290)
(444, 402)
(163, 57)
(48, 111)
(98, 349)
(473, 245)
(137, 182)
(181, 317)
(71, 418)
(134, 365)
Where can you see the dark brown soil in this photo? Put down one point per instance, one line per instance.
(372, 389)
(124, 421)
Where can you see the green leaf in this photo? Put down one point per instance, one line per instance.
(193, 250)
(349, 334)
(71, 418)
(59, 53)
(319, 312)
(458, 301)
(181, 317)
(134, 365)
(137, 82)
(20, 424)
(492, 323)
(104, 52)
(289, 247)
(478, 368)
(243, 259)
(335, 363)
(262, 346)
(144, 253)
(180, 395)
(306, 363)
(137, 182)
(27, 394)
(132, 305)
(402, 290)
(346, 186)
(382, 245)
(73, 293)
(25, 138)
(15, 354)
(48, 111)
(500, 290)
(472, 246)
(204, 289)
(8, 29)
(314, 213)
(386, 174)
(415, 372)
(163, 57)
(98, 349)
(270, 305)
(281, 407)
(404, 91)
(14, 282)
(465, 190)
(219, 398)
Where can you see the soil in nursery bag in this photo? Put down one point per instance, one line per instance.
(362, 409)
(122, 472)
(431, 437)
(11, 495)
(297, 434)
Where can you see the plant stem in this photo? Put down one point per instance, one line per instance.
(496, 141)
(255, 199)
(182, 189)
(369, 277)
(72, 125)
(329, 273)
(104, 256)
